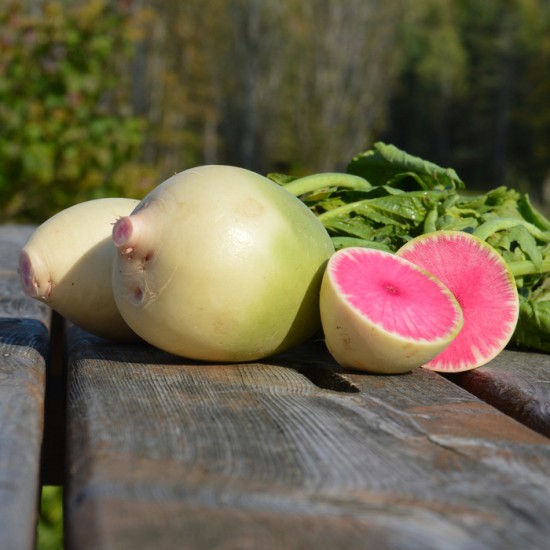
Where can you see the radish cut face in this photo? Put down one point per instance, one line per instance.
(484, 287)
(383, 314)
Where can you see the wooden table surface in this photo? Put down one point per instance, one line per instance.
(24, 336)
(291, 452)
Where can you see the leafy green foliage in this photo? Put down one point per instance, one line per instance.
(67, 133)
(404, 196)
(457, 81)
(50, 526)
(385, 164)
(399, 194)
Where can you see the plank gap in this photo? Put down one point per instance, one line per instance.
(54, 439)
(326, 379)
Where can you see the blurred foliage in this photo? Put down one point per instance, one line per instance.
(50, 526)
(67, 129)
(473, 91)
(109, 97)
(260, 86)
(455, 81)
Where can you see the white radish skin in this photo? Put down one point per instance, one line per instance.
(220, 264)
(67, 264)
(358, 343)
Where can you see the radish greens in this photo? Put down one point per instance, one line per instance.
(387, 197)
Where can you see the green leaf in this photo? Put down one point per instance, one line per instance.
(531, 214)
(404, 179)
(345, 242)
(456, 223)
(520, 236)
(385, 162)
(403, 210)
(533, 327)
(495, 224)
(281, 179)
(356, 227)
(328, 180)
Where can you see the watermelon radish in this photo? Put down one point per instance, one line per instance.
(383, 314)
(484, 287)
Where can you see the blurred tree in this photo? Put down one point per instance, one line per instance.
(474, 87)
(343, 68)
(489, 35)
(531, 113)
(67, 130)
(265, 84)
(173, 82)
(253, 76)
(434, 75)
(265, 81)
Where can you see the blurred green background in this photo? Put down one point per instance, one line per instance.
(110, 97)
(50, 526)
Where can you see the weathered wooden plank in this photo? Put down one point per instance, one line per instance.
(23, 349)
(517, 383)
(164, 453)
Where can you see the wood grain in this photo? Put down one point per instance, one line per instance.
(165, 453)
(23, 350)
(517, 383)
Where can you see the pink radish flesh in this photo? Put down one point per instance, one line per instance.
(482, 285)
(401, 300)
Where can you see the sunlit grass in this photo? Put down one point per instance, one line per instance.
(50, 526)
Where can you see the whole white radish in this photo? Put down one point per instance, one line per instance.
(67, 264)
(219, 263)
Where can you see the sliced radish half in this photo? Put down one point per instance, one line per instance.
(383, 314)
(484, 287)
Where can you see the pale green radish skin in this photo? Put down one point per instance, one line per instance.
(358, 337)
(218, 263)
(67, 264)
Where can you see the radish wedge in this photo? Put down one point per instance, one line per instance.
(383, 314)
(484, 287)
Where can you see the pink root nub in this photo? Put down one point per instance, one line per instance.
(26, 274)
(122, 231)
